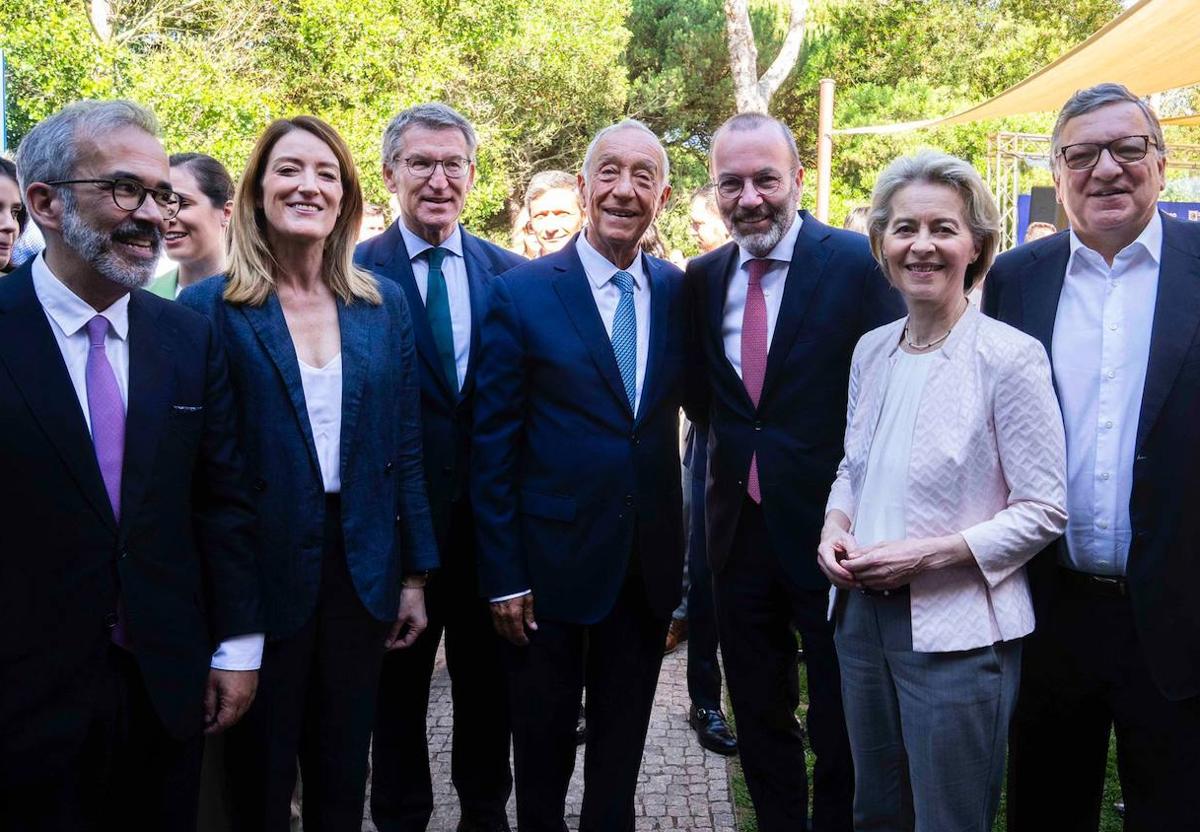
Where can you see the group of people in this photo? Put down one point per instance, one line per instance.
(250, 503)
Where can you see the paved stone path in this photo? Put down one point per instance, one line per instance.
(681, 785)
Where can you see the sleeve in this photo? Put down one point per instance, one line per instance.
(500, 398)
(841, 495)
(1033, 459)
(696, 380)
(414, 523)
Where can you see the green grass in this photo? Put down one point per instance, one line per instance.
(1110, 821)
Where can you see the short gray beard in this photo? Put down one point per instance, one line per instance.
(96, 248)
(761, 244)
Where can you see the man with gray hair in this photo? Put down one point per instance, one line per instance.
(555, 209)
(575, 482)
(429, 164)
(779, 311)
(1116, 302)
(127, 529)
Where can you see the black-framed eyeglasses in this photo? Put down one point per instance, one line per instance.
(129, 194)
(1123, 151)
(731, 187)
(422, 168)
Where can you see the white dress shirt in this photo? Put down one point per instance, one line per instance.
(323, 399)
(458, 288)
(600, 273)
(68, 315)
(773, 281)
(1101, 346)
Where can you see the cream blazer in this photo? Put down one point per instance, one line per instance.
(988, 461)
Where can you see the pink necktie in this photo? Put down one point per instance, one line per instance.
(754, 353)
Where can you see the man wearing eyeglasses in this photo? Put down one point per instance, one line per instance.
(779, 312)
(1116, 301)
(127, 549)
(429, 164)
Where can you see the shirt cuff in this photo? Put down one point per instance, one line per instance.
(510, 597)
(239, 653)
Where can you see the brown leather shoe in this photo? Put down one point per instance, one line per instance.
(676, 635)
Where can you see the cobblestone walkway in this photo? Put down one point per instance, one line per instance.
(681, 785)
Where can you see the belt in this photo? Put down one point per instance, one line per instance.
(884, 593)
(1094, 586)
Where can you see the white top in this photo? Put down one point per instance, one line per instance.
(772, 285)
(458, 288)
(323, 398)
(885, 486)
(600, 273)
(68, 315)
(1100, 349)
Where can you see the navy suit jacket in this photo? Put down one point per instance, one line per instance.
(1163, 569)
(834, 292)
(566, 481)
(385, 515)
(445, 416)
(181, 559)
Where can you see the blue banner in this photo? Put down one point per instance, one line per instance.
(1186, 211)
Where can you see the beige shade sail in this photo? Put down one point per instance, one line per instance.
(1154, 45)
(1183, 121)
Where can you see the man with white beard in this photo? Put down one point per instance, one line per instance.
(129, 598)
(778, 312)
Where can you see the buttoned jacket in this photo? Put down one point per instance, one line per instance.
(988, 461)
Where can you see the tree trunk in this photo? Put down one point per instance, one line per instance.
(751, 93)
(99, 13)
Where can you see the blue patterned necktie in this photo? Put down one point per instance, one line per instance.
(437, 309)
(624, 335)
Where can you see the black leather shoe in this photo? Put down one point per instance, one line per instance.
(713, 731)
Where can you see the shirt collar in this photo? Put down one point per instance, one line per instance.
(70, 311)
(783, 249)
(599, 270)
(1150, 240)
(416, 246)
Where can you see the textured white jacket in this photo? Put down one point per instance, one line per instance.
(988, 461)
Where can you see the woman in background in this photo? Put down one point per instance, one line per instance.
(12, 213)
(195, 238)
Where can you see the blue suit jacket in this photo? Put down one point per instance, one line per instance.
(181, 557)
(1023, 290)
(445, 416)
(833, 293)
(385, 515)
(566, 480)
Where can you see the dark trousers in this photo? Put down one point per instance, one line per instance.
(759, 612)
(1083, 674)
(401, 789)
(316, 699)
(545, 681)
(703, 671)
(130, 774)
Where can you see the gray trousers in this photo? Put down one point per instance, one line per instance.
(927, 730)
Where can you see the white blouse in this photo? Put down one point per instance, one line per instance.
(323, 398)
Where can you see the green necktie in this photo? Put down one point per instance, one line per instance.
(437, 308)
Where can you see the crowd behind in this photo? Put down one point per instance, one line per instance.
(243, 509)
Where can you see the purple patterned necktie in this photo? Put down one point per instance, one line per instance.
(754, 352)
(107, 413)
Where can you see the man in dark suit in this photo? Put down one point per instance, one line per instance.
(778, 312)
(575, 481)
(127, 532)
(429, 163)
(1116, 301)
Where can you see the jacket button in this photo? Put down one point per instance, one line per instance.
(110, 621)
(447, 469)
(633, 437)
(398, 520)
(387, 469)
(758, 425)
(124, 554)
(260, 485)
(629, 499)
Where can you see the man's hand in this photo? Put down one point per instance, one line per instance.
(411, 620)
(227, 697)
(513, 616)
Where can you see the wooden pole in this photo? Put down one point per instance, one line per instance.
(824, 148)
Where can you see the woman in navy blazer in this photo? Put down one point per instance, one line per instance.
(324, 376)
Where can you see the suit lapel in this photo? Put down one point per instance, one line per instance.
(1040, 291)
(718, 279)
(575, 292)
(271, 328)
(478, 272)
(30, 352)
(393, 262)
(660, 315)
(1176, 319)
(354, 322)
(806, 270)
(150, 392)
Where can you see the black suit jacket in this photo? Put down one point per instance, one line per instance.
(445, 416)
(834, 292)
(1023, 290)
(181, 558)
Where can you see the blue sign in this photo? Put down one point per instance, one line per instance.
(1186, 211)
